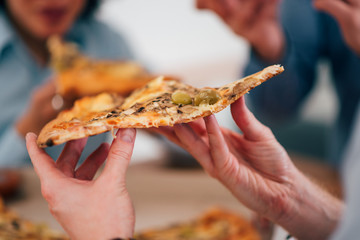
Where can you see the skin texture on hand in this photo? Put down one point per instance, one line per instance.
(253, 162)
(347, 14)
(259, 172)
(87, 208)
(254, 20)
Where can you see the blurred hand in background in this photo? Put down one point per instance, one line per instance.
(254, 20)
(43, 106)
(347, 14)
(40, 110)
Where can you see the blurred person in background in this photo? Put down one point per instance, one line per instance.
(27, 90)
(297, 34)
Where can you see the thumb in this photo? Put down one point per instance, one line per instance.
(119, 155)
(340, 10)
(252, 129)
(43, 164)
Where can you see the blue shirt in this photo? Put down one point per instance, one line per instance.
(311, 36)
(20, 74)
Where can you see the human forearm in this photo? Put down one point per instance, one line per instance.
(33, 121)
(312, 213)
(23, 126)
(40, 110)
(270, 50)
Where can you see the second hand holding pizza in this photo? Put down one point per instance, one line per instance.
(259, 172)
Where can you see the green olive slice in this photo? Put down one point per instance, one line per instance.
(180, 97)
(207, 96)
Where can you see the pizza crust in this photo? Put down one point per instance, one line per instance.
(150, 106)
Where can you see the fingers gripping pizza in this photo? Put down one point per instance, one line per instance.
(162, 102)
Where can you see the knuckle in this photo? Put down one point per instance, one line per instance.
(121, 153)
(47, 192)
(54, 209)
(228, 169)
(267, 132)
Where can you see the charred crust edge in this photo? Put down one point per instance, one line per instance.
(49, 142)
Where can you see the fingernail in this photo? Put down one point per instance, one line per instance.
(127, 135)
(30, 134)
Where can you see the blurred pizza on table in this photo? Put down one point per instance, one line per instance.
(13, 227)
(78, 75)
(214, 224)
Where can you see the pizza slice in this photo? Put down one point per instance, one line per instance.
(78, 75)
(215, 224)
(162, 102)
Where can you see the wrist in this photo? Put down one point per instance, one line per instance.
(311, 206)
(120, 227)
(108, 230)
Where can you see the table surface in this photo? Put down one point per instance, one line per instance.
(163, 195)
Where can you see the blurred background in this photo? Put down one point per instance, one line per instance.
(174, 37)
